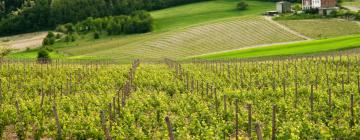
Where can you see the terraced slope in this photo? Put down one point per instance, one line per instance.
(230, 34)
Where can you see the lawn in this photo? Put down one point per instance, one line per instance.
(323, 28)
(306, 47)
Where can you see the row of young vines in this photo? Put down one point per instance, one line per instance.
(302, 98)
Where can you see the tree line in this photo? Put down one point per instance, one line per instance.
(20, 16)
(136, 22)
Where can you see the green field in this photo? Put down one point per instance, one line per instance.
(317, 46)
(323, 28)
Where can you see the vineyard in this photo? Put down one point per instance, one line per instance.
(230, 34)
(314, 97)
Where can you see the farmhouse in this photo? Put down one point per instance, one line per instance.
(325, 7)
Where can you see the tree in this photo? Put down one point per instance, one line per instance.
(96, 35)
(43, 56)
(242, 5)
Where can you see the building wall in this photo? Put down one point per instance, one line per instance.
(313, 4)
(316, 4)
(306, 4)
(328, 3)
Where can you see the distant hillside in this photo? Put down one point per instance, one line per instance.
(21, 16)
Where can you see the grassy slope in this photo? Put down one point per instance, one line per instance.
(355, 3)
(166, 21)
(323, 28)
(307, 47)
(192, 14)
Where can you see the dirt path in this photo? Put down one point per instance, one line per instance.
(286, 28)
(21, 42)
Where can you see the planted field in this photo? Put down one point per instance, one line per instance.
(226, 35)
(323, 28)
(308, 98)
(301, 48)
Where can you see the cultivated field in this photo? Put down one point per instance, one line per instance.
(323, 28)
(218, 36)
(308, 98)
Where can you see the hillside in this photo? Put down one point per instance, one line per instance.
(168, 22)
(225, 35)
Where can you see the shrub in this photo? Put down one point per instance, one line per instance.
(96, 35)
(61, 28)
(43, 56)
(49, 40)
(242, 6)
(297, 7)
(50, 35)
(298, 16)
(70, 38)
(45, 42)
(58, 36)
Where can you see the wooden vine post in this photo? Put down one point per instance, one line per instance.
(358, 84)
(59, 135)
(284, 88)
(237, 119)
(258, 131)
(352, 110)
(170, 129)
(249, 120)
(273, 132)
(1, 96)
(312, 99)
(296, 94)
(225, 110)
(103, 123)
